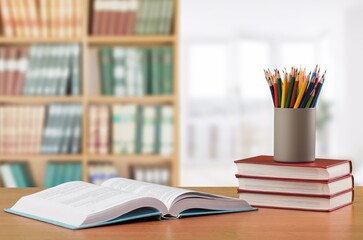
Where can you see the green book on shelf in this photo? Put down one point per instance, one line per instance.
(78, 172)
(141, 17)
(119, 70)
(27, 174)
(75, 70)
(139, 126)
(49, 177)
(106, 65)
(76, 129)
(155, 71)
(167, 26)
(166, 74)
(146, 70)
(157, 129)
(18, 174)
(59, 173)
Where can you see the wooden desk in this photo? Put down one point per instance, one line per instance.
(345, 223)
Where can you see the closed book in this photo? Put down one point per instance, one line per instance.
(75, 69)
(93, 128)
(295, 186)
(44, 18)
(325, 203)
(148, 130)
(2, 70)
(94, 88)
(166, 74)
(33, 22)
(166, 130)
(320, 169)
(141, 17)
(156, 84)
(96, 17)
(131, 14)
(22, 68)
(76, 129)
(106, 71)
(7, 19)
(167, 26)
(119, 70)
(7, 175)
(104, 129)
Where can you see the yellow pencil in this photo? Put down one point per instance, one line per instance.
(301, 94)
(283, 98)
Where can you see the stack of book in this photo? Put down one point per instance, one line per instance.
(132, 17)
(159, 174)
(41, 18)
(16, 174)
(98, 172)
(21, 129)
(134, 130)
(43, 70)
(61, 172)
(133, 71)
(62, 133)
(322, 185)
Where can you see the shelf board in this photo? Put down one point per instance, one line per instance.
(131, 158)
(98, 40)
(20, 157)
(21, 40)
(139, 99)
(38, 99)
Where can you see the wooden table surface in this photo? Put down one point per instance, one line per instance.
(345, 223)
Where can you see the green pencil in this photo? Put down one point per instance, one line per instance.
(310, 99)
(279, 87)
(291, 87)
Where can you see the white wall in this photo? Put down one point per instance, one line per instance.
(275, 21)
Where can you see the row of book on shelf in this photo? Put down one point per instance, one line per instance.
(37, 129)
(18, 174)
(40, 70)
(322, 185)
(131, 129)
(132, 17)
(55, 70)
(131, 71)
(64, 18)
(41, 18)
(57, 129)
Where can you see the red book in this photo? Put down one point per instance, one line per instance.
(298, 201)
(96, 17)
(295, 186)
(11, 70)
(21, 69)
(2, 71)
(6, 18)
(131, 17)
(320, 169)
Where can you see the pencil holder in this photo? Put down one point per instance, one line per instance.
(294, 135)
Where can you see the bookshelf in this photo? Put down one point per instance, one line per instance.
(37, 163)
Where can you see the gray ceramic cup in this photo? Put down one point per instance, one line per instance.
(294, 135)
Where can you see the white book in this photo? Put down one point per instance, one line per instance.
(166, 130)
(148, 130)
(130, 72)
(130, 128)
(7, 175)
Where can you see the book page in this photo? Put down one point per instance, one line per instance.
(72, 202)
(165, 194)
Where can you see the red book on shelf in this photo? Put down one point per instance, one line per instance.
(11, 68)
(308, 202)
(2, 71)
(121, 18)
(320, 169)
(6, 18)
(131, 16)
(20, 75)
(95, 18)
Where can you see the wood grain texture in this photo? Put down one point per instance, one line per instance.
(345, 223)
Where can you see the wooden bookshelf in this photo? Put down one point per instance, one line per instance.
(37, 162)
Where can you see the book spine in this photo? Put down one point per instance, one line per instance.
(7, 175)
(77, 130)
(155, 70)
(92, 129)
(7, 18)
(104, 129)
(22, 68)
(131, 23)
(44, 18)
(12, 70)
(106, 71)
(116, 129)
(131, 72)
(148, 130)
(167, 71)
(166, 130)
(169, 17)
(119, 71)
(2, 71)
(76, 69)
(130, 127)
(33, 23)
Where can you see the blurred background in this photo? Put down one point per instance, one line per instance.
(227, 112)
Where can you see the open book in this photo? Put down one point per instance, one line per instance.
(77, 205)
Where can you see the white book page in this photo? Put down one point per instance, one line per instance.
(164, 193)
(71, 203)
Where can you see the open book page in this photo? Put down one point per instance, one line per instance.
(166, 194)
(78, 203)
(178, 200)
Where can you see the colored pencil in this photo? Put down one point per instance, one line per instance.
(292, 81)
(312, 94)
(284, 86)
(301, 93)
(294, 92)
(270, 85)
(279, 86)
